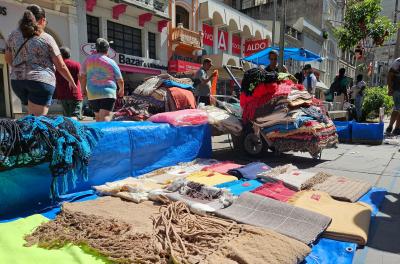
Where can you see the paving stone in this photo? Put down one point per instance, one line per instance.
(393, 168)
(358, 163)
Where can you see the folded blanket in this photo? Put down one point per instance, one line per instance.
(182, 98)
(250, 171)
(241, 186)
(187, 117)
(350, 221)
(210, 178)
(298, 179)
(222, 120)
(171, 83)
(131, 189)
(275, 190)
(259, 246)
(222, 167)
(342, 188)
(283, 218)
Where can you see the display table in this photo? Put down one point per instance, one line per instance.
(126, 149)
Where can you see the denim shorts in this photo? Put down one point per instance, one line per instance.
(36, 92)
(396, 99)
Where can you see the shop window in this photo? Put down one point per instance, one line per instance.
(152, 45)
(182, 16)
(93, 28)
(125, 39)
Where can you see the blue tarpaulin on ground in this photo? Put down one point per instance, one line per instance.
(126, 149)
(297, 54)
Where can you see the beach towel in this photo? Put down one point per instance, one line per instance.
(350, 221)
(131, 189)
(298, 179)
(253, 209)
(275, 190)
(342, 188)
(209, 178)
(12, 249)
(374, 198)
(188, 117)
(222, 167)
(328, 251)
(250, 171)
(240, 186)
(259, 246)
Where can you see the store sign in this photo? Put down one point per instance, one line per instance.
(236, 42)
(90, 49)
(222, 40)
(3, 10)
(130, 60)
(253, 46)
(182, 66)
(208, 35)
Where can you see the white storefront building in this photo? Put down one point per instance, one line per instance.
(136, 30)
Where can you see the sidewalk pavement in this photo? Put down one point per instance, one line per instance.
(379, 165)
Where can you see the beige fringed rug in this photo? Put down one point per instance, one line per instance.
(126, 232)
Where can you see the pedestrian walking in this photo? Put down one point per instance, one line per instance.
(339, 87)
(310, 80)
(357, 94)
(203, 82)
(34, 56)
(71, 99)
(394, 90)
(100, 79)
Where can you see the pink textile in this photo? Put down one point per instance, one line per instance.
(222, 167)
(186, 117)
(275, 190)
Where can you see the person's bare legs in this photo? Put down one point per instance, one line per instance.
(37, 110)
(105, 115)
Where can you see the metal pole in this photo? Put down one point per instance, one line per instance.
(274, 23)
(282, 34)
(397, 47)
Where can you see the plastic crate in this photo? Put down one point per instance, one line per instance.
(367, 133)
(344, 131)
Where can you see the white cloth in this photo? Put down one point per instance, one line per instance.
(222, 120)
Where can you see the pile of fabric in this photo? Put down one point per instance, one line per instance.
(222, 120)
(63, 142)
(158, 94)
(207, 211)
(288, 117)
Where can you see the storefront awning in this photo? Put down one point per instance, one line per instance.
(135, 69)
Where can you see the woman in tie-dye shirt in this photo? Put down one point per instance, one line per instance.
(100, 75)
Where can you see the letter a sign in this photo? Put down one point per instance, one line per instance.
(222, 40)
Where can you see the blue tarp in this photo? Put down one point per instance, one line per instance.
(297, 54)
(126, 149)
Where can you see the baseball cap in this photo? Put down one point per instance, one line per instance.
(208, 60)
(102, 45)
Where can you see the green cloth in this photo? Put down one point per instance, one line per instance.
(12, 248)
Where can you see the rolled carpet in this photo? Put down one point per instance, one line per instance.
(350, 221)
(253, 209)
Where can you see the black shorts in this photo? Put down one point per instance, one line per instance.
(105, 104)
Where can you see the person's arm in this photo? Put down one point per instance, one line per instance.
(203, 78)
(82, 79)
(63, 70)
(121, 86)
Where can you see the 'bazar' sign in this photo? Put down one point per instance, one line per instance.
(253, 46)
(130, 60)
(90, 49)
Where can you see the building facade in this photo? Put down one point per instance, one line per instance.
(62, 25)
(137, 32)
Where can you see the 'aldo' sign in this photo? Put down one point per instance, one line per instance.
(253, 46)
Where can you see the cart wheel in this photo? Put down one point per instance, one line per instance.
(253, 145)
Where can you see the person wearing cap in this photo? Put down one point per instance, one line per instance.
(273, 62)
(310, 81)
(71, 99)
(100, 78)
(203, 82)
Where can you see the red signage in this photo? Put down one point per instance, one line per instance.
(222, 40)
(182, 66)
(236, 42)
(207, 35)
(253, 46)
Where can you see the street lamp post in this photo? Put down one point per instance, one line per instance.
(282, 34)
